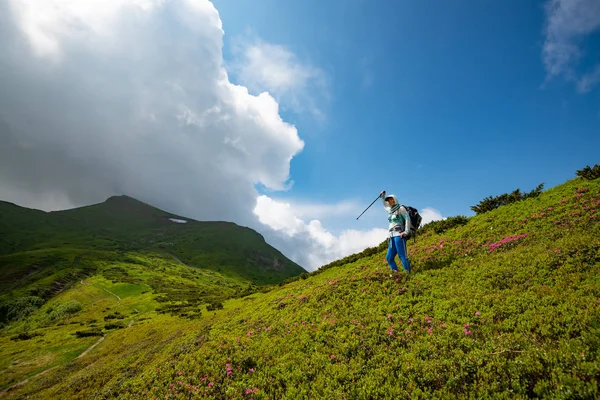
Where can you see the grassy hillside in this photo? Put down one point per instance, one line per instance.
(41, 253)
(505, 306)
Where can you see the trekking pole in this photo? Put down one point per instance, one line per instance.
(369, 206)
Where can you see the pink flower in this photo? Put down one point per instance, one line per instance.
(251, 370)
(210, 384)
(467, 332)
(331, 357)
(467, 325)
(248, 391)
(477, 313)
(390, 332)
(181, 373)
(389, 316)
(410, 320)
(250, 333)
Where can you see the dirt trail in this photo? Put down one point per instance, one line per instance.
(118, 298)
(91, 347)
(176, 259)
(16, 385)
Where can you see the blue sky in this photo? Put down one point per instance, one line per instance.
(442, 105)
(290, 117)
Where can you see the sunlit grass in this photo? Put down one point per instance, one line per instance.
(505, 306)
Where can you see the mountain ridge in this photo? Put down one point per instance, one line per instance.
(123, 223)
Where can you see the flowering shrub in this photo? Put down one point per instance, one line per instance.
(508, 239)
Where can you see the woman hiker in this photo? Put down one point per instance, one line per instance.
(399, 230)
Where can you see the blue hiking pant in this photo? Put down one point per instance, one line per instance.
(397, 245)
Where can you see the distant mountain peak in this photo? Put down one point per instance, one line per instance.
(123, 198)
(128, 202)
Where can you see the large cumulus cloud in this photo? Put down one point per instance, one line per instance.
(110, 97)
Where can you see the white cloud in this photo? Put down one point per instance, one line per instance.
(430, 214)
(278, 216)
(274, 68)
(568, 23)
(322, 210)
(112, 97)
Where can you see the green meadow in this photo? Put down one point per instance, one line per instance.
(504, 304)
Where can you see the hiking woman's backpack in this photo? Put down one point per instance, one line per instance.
(415, 220)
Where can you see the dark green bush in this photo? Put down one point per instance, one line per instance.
(64, 310)
(19, 308)
(25, 336)
(589, 173)
(115, 315)
(490, 203)
(445, 224)
(114, 325)
(89, 332)
(42, 292)
(214, 306)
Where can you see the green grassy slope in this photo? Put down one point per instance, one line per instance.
(65, 245)
(136, 286)
(506, 306)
